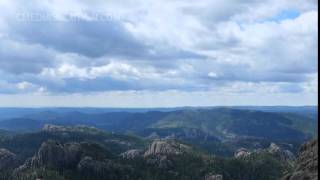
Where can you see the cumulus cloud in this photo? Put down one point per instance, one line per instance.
(91, 39)
(239, 47)
(18, 58)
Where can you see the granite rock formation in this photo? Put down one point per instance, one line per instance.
(307, 163)
(166, 147)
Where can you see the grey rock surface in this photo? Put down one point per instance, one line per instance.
(131, 154)
(280, 154)
(166, 147)
(242, 152)
(307, 163)
(54, 154)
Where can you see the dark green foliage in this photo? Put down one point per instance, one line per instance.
(257, 166)
(45, 174)
(26, 145)
(193, 165)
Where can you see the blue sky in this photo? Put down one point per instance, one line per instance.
(286, 14)
(143, 53)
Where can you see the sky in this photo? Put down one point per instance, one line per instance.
(158, 53)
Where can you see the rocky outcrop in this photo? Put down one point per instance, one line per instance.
(241, 153)
(280, 154)
(24, 167)
(7, 159)
(158, 152)
(87, 158)
(131, 154)
(53, 128)
(274, 150)
(213, 177)
(307, 163)
(65, 129)
(166, 147)
(53, 154)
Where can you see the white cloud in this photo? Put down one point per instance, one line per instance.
(236, 47)
(24, 85)
(116, 70)
(212, 74)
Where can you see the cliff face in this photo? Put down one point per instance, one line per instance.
(54, 154)
(307, 163)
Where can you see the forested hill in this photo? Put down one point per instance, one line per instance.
(219, 124)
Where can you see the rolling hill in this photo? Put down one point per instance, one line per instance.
(222, 123)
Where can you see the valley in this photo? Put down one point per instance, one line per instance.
(228, 143)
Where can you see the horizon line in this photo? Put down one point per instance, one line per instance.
(153, 107)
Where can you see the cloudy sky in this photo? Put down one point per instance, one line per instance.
(158, 53)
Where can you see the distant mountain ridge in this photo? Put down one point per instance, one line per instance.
(6, 113)
(201, 124)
